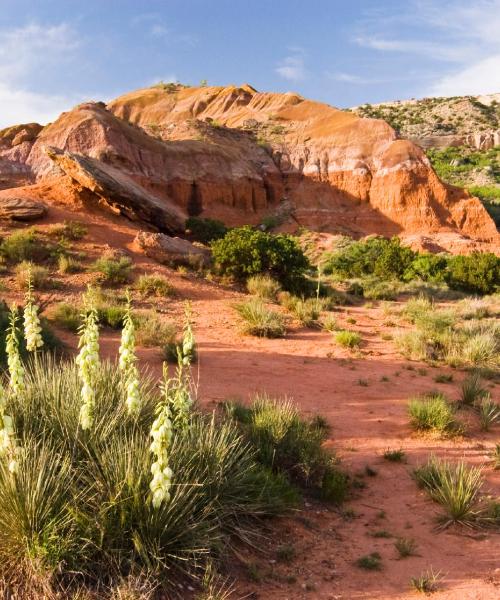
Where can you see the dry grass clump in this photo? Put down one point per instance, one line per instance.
(114, 269)
(261, 321)
(68, 264)
(264, 287)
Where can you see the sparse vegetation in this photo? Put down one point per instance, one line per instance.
(153, 331)
(394, 455)
(24, 245)
(36, 273)
(405, 547)
(426, 582)
(370, 562)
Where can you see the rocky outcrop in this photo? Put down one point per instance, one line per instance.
(13, 208)
(164, 153)
(116, 189)
(171, 250)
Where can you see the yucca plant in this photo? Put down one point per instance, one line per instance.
(489, 413)
(456, 487)
(261, 321)
(432, 413)
(472, 389)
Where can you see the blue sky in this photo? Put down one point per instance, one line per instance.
(56, 53)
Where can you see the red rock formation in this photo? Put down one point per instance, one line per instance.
(237, 154)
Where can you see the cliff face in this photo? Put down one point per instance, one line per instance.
(237, 154)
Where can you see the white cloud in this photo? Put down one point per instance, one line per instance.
(292, 67)
(25, 52)
(459, 32)
(482, 77)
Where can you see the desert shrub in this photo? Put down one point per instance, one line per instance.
(432, 413)
(394, 455)
(153, 285)
(405, 547)
(67, 316)
(306, 310)
(477, 273)
(427, 267)
(386, 259)
(68, 264)
(476, 308)
(111, 315)
(259, 320)
(370, 562)
(152, 330)
(426, 582)
(206, 230)
(85, 507)
(24, 245)
(291, 446)
(472, 390)
(264, 287)
(244, 252)
(377, 289)
(455, 486)
(38, 274)
(69, 230)
(329, 323)
(489, 413)
(348, 339)
(114, 270)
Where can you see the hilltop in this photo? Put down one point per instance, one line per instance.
(241, 156)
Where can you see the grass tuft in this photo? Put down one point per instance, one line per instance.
(432, 413)
(261, 321)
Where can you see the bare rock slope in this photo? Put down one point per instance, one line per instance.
(166, 152)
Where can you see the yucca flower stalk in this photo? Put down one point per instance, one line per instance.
(188, 340)
(178, 392)
(88, 363)
(14, 363)
(32, 327)
(8, 446)
(128, 362)
(161, 432)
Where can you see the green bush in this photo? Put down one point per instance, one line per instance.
(114, 271)
(206, 230)
(427, 267)
(67, 316)
(292, 446)
(152, 330)
(244, 252)
(68, 264)
(477, 273)
(80, 504)
(24, 245)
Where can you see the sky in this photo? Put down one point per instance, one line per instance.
(57, 53)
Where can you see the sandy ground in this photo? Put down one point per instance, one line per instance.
(365, 421)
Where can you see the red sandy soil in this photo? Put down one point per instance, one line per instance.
(365, 421)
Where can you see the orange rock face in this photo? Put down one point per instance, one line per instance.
(237, 154)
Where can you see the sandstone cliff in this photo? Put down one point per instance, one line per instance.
(237, 154)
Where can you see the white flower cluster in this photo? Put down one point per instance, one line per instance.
(188, 341)
(32, 328)
(127, 364)
(14, 363)
(161, 432)
(8, 447)
(88, 363)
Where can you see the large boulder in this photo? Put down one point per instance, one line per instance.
(171, 250)
(118, 190)
(20, 209)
